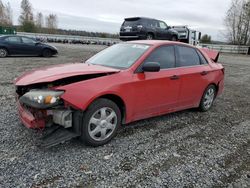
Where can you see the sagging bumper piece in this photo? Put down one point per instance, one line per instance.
(40, 118)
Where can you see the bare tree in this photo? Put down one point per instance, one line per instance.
(51, 22)
(8, 14)
(246, 28)
(237, 22)
(2, 14)
(5, 14)
(26, 14)
(39, 20)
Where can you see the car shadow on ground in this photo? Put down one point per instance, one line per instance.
(9, 57)
(125, 130)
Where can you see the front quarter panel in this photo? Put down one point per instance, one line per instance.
(81, 94)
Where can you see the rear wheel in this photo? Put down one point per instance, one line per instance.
(47, 53)
(101, 122)
(208, 98)
(150, 36)
(3, 52)
(174, 38)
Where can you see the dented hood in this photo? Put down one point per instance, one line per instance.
(53, 73)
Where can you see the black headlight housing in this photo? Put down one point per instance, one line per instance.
(42, 99)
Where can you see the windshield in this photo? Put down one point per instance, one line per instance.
(119, 56)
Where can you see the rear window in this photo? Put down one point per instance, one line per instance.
(13, 39)
(187, 56)
(135, 22)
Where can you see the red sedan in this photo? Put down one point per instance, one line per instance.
(121, 84)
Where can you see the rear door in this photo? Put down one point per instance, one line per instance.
(195, 75)
(156, 93)
(14, 45)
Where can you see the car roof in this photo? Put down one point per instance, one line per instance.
(159, 42)
(137, 18)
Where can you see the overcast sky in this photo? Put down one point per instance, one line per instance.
(107, 15)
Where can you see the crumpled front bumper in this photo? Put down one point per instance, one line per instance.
(28, 119)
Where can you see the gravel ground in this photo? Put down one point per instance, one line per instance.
(184, 149)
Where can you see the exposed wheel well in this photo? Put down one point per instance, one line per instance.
(46, 49)
(176, 36)
(151, 33)
(120, 103)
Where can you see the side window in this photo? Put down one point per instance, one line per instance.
(28, 40)
(164, 55)
(187, 56)
(152, 23)
(13, 39)
(202, 58)
(162, 25)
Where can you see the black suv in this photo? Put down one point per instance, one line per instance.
(146, 28)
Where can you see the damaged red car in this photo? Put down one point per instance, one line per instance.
(121, 84)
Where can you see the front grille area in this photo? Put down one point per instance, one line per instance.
(20, 90)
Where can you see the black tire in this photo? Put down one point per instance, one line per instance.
(174, 38)
(3, 53)
(47, 53)
(93, 110)
(149, 36)
(204, 104)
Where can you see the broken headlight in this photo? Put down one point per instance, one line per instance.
(41, 98)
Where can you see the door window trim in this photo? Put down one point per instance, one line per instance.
(7, 39)
(176, 46)
(139, 68)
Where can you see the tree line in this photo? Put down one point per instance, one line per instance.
(237, 22)
(27, 21)
(39, 23)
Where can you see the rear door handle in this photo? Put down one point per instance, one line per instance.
(203, 73)
(175, 77)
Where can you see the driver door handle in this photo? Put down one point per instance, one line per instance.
(203, 73)
(174, 77)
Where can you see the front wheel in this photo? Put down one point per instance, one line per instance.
(47, 53)
(149, 36)
(101, 122)
(3, 52)
(174, 38)
(208, 98)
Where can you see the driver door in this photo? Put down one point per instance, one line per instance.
(30, 46)
(163, 30)
(157, 93)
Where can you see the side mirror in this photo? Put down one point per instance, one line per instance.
(151, 67)
(168, 27)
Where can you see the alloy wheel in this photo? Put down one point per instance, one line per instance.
(209, 98)
(149, 37)
(3, 53)
(102, 124)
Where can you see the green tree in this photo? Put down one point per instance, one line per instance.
(26, 19)
(206, 39)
